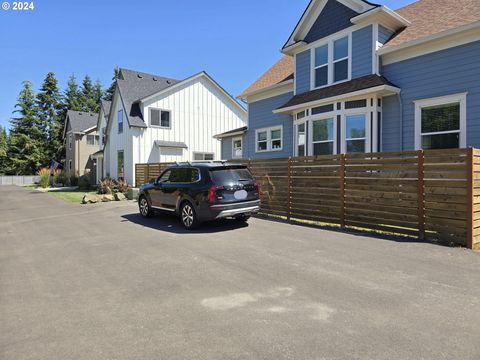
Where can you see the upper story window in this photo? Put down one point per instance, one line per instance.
(92, 139)
(120, 121)
(104, 134)
(331, 64)
(160, 118)
(70, 141)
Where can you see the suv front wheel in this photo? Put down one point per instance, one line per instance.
(144, 207)
(188, 216)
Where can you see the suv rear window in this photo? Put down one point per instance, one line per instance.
(228, 175)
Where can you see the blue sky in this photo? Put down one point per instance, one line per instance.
(234, 41)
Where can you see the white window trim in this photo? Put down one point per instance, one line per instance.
(368, 128)
(203, 153)
(233, 147)
(269, 139)
(161, 110)
(460, 98)
(118, 122)
(295, 133)
(330, 42)
(310, 132)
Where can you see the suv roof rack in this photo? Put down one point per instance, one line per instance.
(189, 163)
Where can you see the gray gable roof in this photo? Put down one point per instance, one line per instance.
(81, 120)
(106, 106)
(135, 85)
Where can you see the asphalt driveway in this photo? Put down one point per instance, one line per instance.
(99, 282)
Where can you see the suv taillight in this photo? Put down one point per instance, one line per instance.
(259, 188)
(212, 193)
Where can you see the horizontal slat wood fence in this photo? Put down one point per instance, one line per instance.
(433, 194)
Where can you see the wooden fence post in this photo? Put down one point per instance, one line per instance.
(421, 194)
(342, 190)
(289, 189)
(470, 195)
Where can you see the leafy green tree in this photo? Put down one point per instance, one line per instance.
(49, 107)
(3, 150)
(26, 152)
(108, 95)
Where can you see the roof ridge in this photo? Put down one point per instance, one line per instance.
(147, 74)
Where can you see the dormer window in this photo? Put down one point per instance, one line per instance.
(331, 62)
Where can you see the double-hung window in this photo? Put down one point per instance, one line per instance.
(92, 139)
(440, 122)
(269, 139)
(331, 62)
(120, 121)
(340, 59)
(321, 66)
(159, 118)
(70, 141)
(356, 133)
(237, 151)
(323, 137)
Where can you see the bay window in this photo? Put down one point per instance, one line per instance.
(355, 133)
(269, 139)
(440, 123)
(300, 130)
(323, 137)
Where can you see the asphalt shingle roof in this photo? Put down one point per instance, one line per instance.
(362, 83)
(135, 85)
(81, 120)
(106, 106)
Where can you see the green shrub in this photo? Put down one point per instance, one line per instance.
(84, 182)
(72, 179)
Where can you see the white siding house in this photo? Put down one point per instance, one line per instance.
(166, 120)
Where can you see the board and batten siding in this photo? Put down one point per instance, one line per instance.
(302, 71)
(198, 111)
(260, 115)
(450, 71)
(362, 51)
(117, 142)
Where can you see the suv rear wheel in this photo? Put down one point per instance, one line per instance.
(144, 207)
(188, 216)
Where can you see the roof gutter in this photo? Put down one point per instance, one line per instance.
(389, 88)
(271, 87)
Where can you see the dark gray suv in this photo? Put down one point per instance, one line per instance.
(199, 192)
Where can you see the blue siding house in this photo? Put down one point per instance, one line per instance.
(359, 77)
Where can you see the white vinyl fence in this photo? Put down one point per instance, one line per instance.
(19, 180)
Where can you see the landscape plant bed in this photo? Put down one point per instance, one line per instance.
(71, 196)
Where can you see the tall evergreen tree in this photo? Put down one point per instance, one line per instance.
(25, 152)
(3, 150)
(89, 95)
(71, 97)
(49, 110)
(108, 95)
